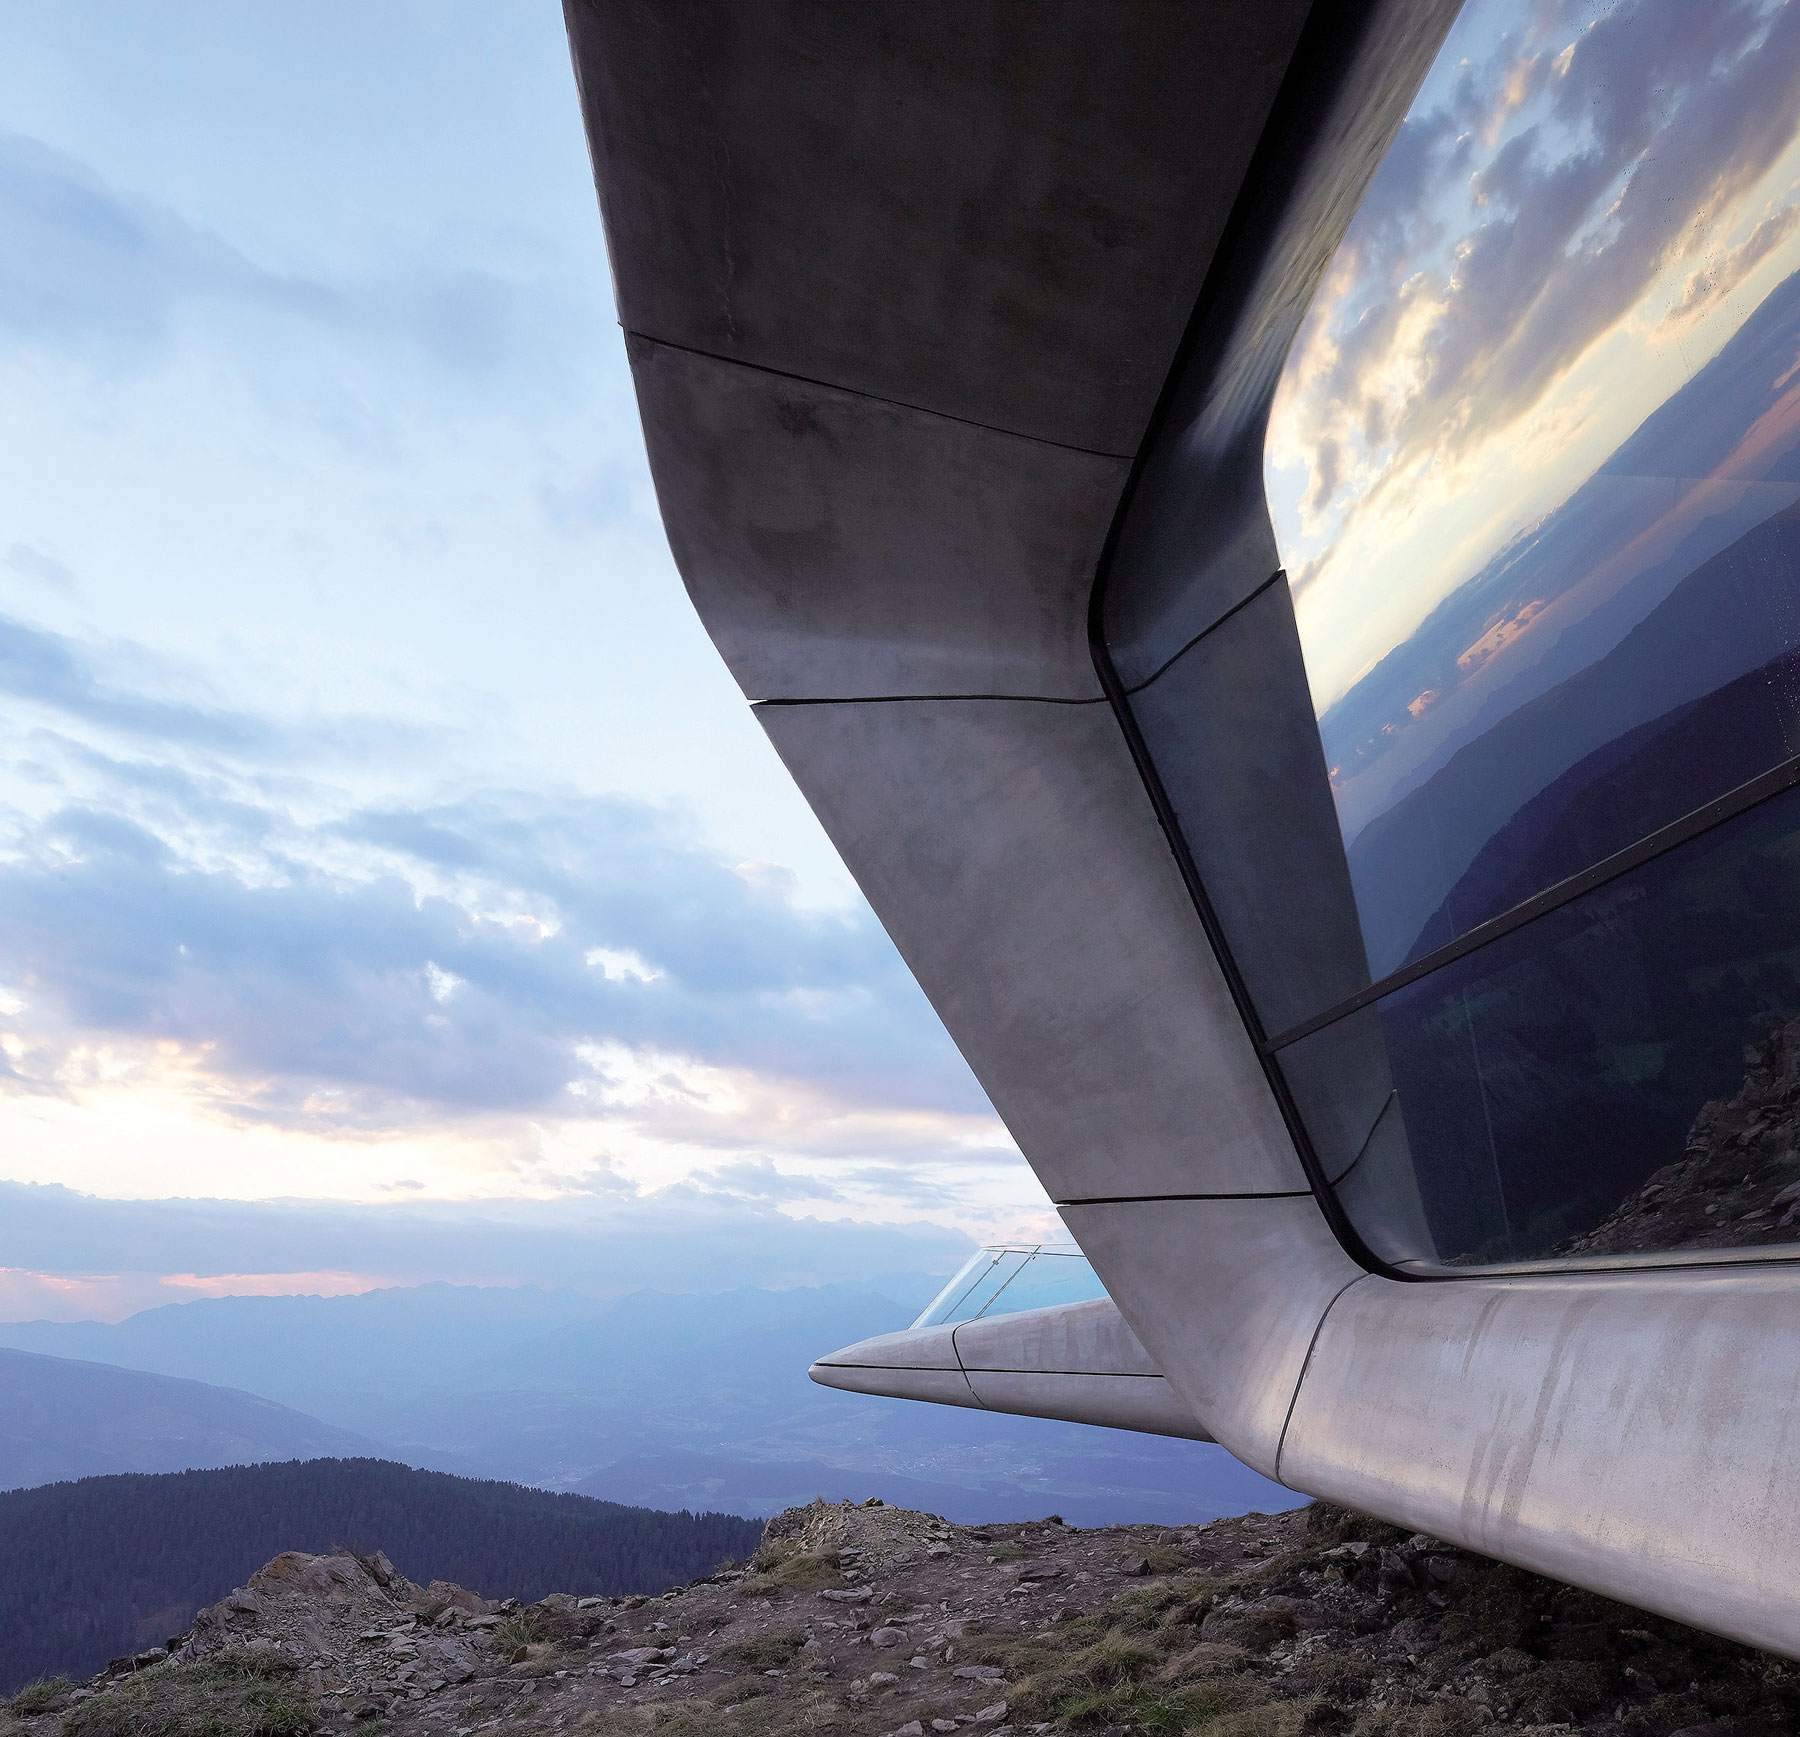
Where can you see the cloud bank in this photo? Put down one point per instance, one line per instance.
(1566, 194)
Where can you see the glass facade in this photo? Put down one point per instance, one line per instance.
(1009, 1279)
(1534, 470)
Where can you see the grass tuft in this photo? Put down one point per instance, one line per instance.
(242, 1692)
(35, 1697)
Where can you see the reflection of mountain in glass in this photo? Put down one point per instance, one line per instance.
(1620, 665)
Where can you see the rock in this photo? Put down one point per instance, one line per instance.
(980, 1673)
(881, 1679)
(1041, 1571)
(887, 1637)
(991, 1715)
(938, 1550)
(843, 1595)
(943, 1724)
(912, 1728)
(1413, 1635)
(1135, 1565)
(636, 1658)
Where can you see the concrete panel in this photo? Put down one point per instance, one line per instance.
(1012, 854)
(840, 547)
(1225, 1296)
(1002, 212)
(1636, 1433)
(1145, 1403)
(1091, 1337)
(1230, 727)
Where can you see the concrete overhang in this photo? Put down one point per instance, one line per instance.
(906, 291)
(1079, 1362)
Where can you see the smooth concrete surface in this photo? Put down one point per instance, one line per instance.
(1636, 1433)
(1225, 1296)
(1146, 1404)
(1075, 1338)
(840, 547)
(988, 209)
(1009, 849)
(1078, 1362)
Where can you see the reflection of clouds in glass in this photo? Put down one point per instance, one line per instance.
(1533, 271)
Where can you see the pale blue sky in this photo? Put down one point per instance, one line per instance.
(375, 818)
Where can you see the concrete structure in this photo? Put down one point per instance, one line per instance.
(954, 330)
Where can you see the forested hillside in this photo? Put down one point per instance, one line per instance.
(104, 1566)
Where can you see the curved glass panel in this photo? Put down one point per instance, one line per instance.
(1534, 467)
(1535, 460)
(1006, 1280)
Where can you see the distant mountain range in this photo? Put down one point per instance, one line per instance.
(105, 1566)
(64, 1419)
(1672, 571)
(664, 1399)
(1662, 724)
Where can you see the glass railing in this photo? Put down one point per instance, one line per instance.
(1006, 1279)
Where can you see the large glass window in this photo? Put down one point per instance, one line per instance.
(1534, 467)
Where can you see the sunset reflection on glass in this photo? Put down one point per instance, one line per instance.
(1535, 473)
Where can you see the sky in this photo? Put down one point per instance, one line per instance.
(377, 824)
(1587, 199)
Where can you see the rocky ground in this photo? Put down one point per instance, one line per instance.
(868, 1620)
(1737, 1183)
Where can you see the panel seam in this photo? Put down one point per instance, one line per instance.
(925, 699)
(956, 1352)
(875, 397)
(1149, 1199)
(1001, 1369)
(1306, 1364)
(1244, 602)
(1765, 787)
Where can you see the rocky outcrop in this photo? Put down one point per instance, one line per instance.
(878, 1622)
(1737, 1183)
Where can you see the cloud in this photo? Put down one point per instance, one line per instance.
(1725, 269)
(758, 1179)
(681, 1239)
(315, 964)
(1519, 219)
(478, 996)
(123, 284)
(35, 564)
(56, 671)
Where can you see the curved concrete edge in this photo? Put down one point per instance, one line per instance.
(1634, 1433)
(886, 1381)
(1225, 1295)
(1077, 1363)
(760, 475)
